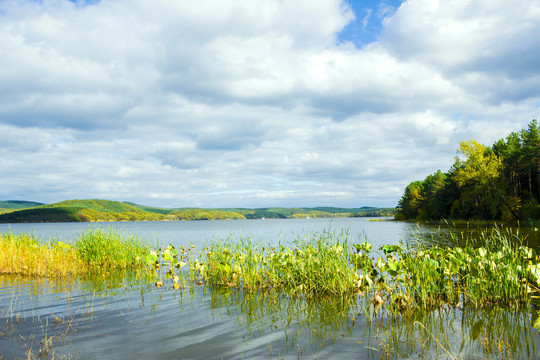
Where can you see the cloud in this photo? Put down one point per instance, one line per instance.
(491, 40)
(259, 103)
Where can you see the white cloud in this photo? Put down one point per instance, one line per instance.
(253, 103)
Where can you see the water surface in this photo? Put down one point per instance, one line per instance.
(117, 318)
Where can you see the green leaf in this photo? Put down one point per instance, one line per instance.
(167, 256)
(534, 272)
(366, 247)
(535, 319)
(380, 263)
(388, 249)
(64, 245)
(150, 258)
(392, 267)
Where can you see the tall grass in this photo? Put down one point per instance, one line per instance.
(95, 251)
(318, 265)
(109, 251)
(498, 270)
(23, 254)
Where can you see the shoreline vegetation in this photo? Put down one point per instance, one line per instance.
(495, 270)
(106, 210)
(396, 287)
(501, 182)
(95, 252)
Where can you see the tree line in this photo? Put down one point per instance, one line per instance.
(501, 182)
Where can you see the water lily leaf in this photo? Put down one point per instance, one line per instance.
(535, 319)
(362, 262)
(380, 263)
(366, 247)
(180, 264)
(431, 262)
(534, 272)
(167, 257)
(150, 258)
(392, 267)
(388, 249)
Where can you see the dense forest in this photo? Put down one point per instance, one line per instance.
(501, 182)
(106, 210)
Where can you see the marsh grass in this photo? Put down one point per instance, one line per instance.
(496, 270)
(94, 252)
(316, 265)
(23, 254)
(110, 251)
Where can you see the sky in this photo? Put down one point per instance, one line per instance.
(255, 103)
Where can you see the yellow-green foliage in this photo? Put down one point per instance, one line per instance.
(23, 254)
(206, 214)
(95, 251)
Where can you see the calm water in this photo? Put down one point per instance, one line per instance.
(111, 320)
(201, 232)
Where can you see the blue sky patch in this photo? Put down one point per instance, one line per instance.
(368, 23)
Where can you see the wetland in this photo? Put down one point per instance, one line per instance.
(311, 288)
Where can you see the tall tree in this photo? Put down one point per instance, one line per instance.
(409, 204)
(531, 158)
(477, 172)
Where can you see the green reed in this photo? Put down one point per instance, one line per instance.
(108, 250)
(317, 265)
(497, 270)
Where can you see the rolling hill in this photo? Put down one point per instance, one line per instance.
(107, 210)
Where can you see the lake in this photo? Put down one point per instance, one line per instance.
(110, 319)
(201, 232)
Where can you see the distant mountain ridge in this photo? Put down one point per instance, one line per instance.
(15, 211)
(18, 204)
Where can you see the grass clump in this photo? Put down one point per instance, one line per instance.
(95, 251)
(316, 266)
(109, 251)
(23, 254)
(500, 272)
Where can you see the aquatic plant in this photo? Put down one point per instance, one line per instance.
(95, 251)
(499, 270)
(101, 250)
(23, 254)
(317, 265)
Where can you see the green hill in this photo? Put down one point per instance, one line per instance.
(161, 211)
(10, 205)
(106, 210)
(80, 210)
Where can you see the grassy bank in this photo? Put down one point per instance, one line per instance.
(95, 251)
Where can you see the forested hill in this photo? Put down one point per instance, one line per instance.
(106, 210)
(17, 204)
(500, 182)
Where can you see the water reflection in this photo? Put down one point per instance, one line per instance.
(134, 319)
(464, 234)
